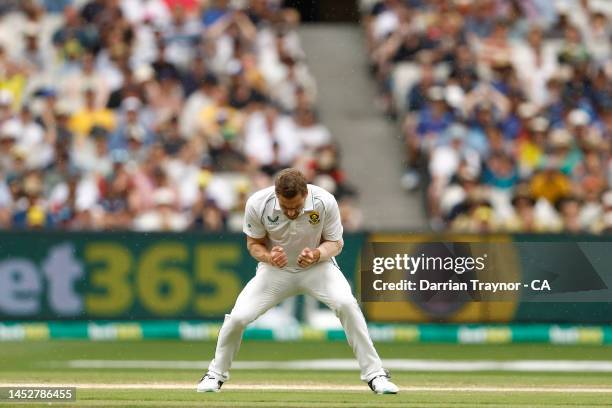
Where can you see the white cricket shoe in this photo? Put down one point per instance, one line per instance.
(210, 383)
(382, 385)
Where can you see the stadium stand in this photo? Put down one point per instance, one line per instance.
(505, 107)
(153, 114)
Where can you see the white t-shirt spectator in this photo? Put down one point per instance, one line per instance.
(384, 24)
(31, 141)
(534, 76)
(313, 137)
(139, 11)
(259, 140)
(188, 119)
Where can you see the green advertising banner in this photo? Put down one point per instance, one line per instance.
(125, 276)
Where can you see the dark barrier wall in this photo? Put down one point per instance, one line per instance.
(125, 276)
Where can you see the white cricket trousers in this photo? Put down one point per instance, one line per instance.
(271, 285)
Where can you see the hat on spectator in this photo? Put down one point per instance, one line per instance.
(578, 117)
(606, 199)
(143, 73)
(10, 130)
(45, 92)
(326, 182)
(163, 197)
(593, 139)
(6, 97)
(131, 104)
(454, 95)
(63, 108)
(562, 7)
(457, 131)
(136, 133)
(560, 138)
(234, 67)
(19, 152)
(539, 124)
(527, 110)
(435, 93)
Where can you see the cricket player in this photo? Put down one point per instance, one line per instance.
(293, 229)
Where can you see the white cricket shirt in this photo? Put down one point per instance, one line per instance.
(319, 221)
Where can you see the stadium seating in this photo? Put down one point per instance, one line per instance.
(505, 108)
(153, 115)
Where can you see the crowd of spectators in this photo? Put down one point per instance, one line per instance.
(153, 114)
(505, 107)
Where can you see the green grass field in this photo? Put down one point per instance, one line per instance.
(48, 362)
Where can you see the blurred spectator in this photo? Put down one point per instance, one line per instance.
(153, 114)
(83, 120)
(164, 216)
(505, 108)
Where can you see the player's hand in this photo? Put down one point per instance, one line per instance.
(308, 257)
(278, 257)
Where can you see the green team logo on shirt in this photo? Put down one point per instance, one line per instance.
(272, 220)
(314, 218)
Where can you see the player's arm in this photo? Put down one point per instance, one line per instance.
(323, 252)
(331, 237)
(257, 237)
(258, 250)
(328, 249)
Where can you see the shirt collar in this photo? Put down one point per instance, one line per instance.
(308, 203)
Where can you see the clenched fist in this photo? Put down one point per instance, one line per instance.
(308, 257)
(278, 257)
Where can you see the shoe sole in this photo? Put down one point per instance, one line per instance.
(219, 390)
(385, 392)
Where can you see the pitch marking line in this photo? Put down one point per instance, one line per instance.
(305, 387)
(571, 366)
